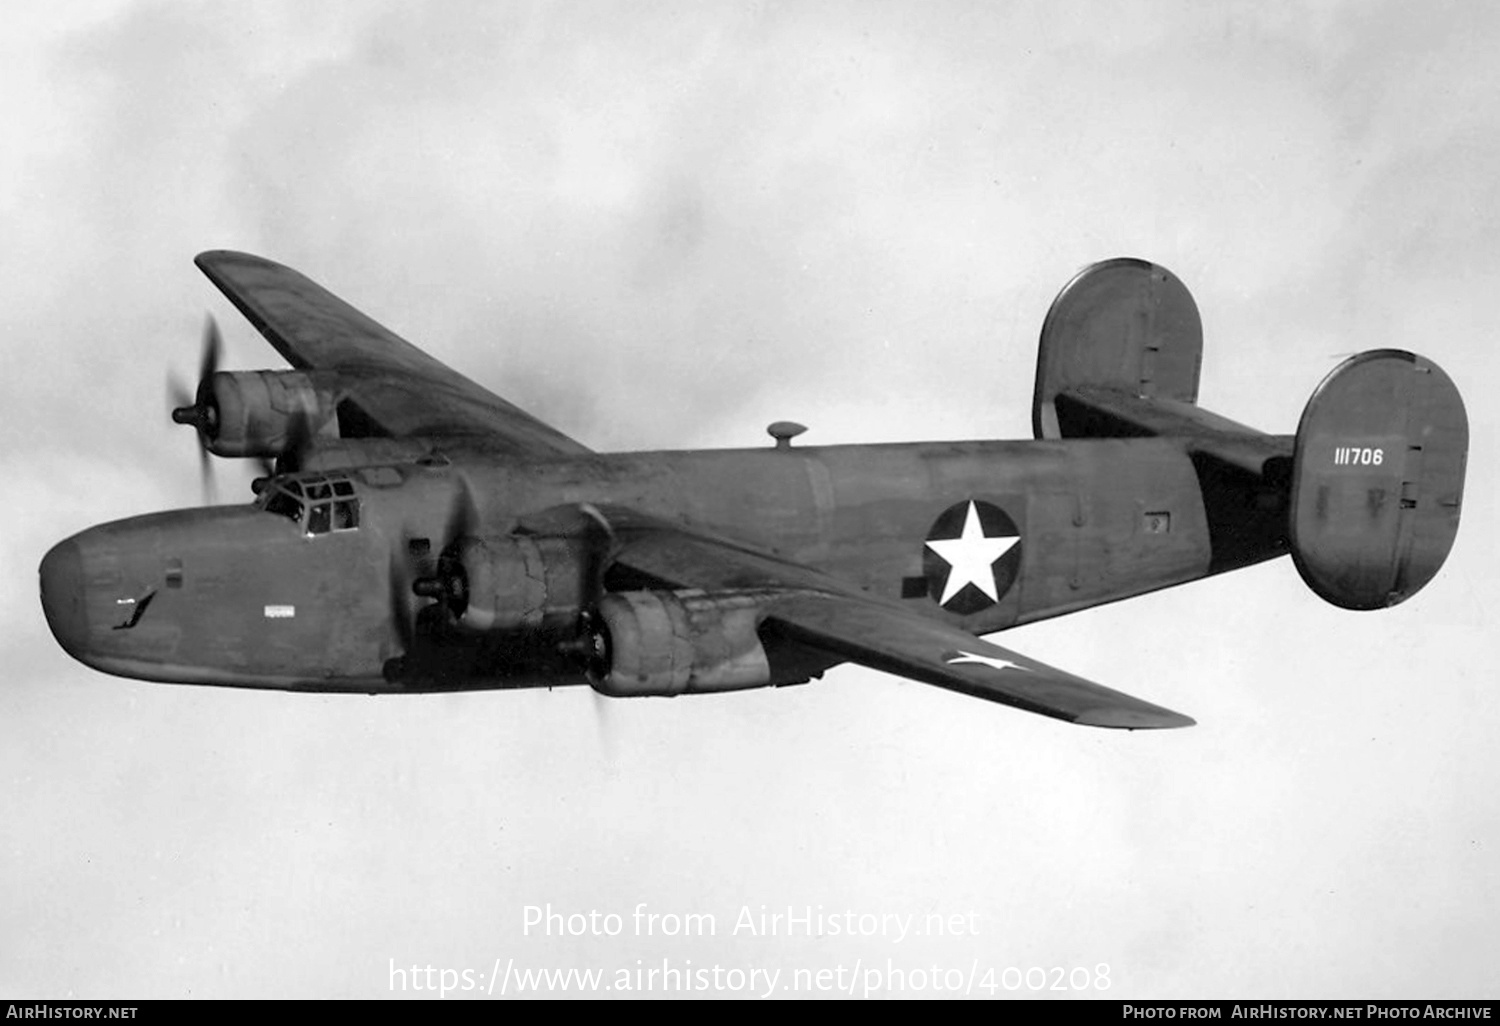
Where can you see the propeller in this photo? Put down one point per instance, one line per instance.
(463, 515)
(403, 618)
(440, 579)
(604, 545)
(604, 726)
(198, 408)
(446, 584)
(589, 647)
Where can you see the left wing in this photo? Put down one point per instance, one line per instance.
(396, 385)
(898, 641)
(813, 608)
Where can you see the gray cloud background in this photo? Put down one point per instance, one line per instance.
(665, 225)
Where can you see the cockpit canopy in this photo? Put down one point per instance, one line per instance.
(319, 503)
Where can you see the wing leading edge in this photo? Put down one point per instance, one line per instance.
(402, 389)
(815, 609)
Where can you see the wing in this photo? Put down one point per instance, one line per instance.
(400, 388)
(811, 607)
(898, 641)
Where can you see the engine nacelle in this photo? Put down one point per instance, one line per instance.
(515, 582)
(264, 413)
(674, 643)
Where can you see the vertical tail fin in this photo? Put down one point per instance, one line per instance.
(1122, 326)
(1378, 479)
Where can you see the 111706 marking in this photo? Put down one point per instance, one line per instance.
(1354, 456)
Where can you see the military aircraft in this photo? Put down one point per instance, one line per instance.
(417, 533)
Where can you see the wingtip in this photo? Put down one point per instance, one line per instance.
(221, 265)
(216, 256)
(1135, 719)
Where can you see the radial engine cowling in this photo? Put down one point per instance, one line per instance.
(263, 413)
(516, 583)
(674, 643)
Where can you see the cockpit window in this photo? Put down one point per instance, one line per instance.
(317, 519)
(283, 504)
(323, 517)
(320, 503)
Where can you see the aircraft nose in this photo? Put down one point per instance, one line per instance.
(63, 597)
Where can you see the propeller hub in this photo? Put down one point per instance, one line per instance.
(448, 586)
(204, 416)
(429, 587)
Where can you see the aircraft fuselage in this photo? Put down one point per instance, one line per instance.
(984, 535)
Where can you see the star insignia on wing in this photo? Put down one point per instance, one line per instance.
(992, 662)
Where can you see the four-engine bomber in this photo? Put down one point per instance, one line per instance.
(414, 532)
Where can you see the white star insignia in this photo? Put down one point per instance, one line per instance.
(971, 558)
(990, 661)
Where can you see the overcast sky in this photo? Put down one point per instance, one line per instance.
(666, 225)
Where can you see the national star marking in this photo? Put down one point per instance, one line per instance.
(990, 661)
(971, 557)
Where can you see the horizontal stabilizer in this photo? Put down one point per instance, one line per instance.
(1109, 413)
(1378, 479)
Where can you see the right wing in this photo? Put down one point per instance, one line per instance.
(403, 390)
(810, 607)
